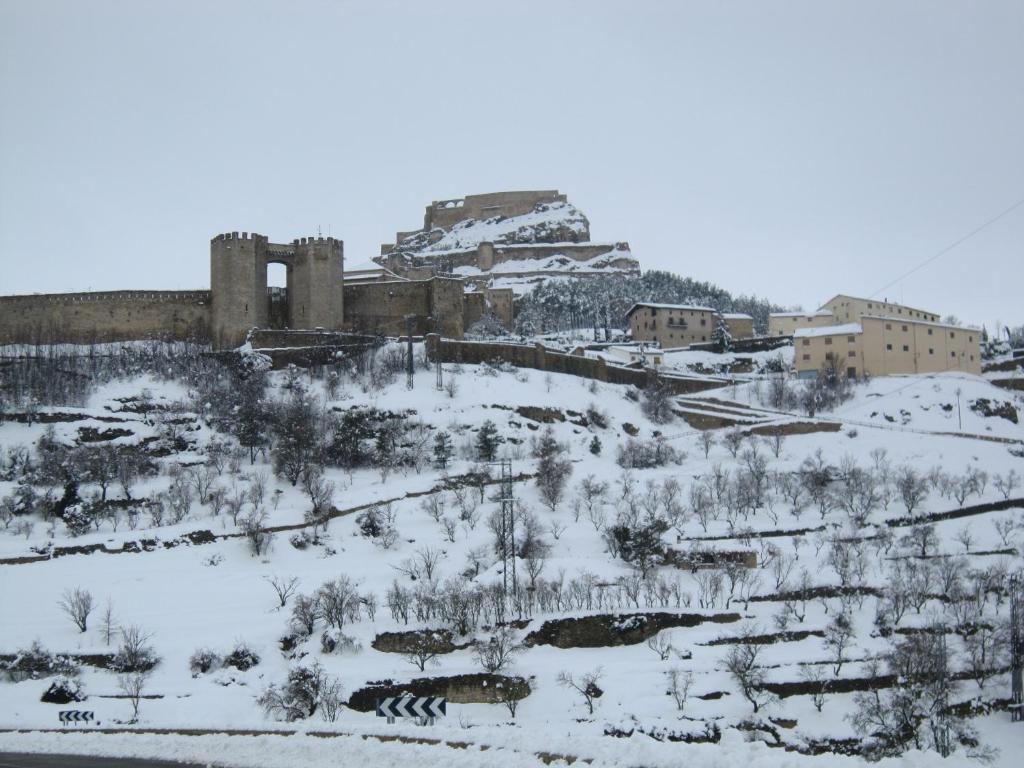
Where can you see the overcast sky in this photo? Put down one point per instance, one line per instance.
(789, 149)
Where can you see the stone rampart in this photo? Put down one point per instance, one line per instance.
(103, 316)
(542, 359)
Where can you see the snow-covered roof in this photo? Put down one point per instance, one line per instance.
(736, 316)
(815, 313)
(688, 307)
(828, 330)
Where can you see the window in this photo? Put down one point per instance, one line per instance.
(654, 310)
(828, 342)
(970, 338)
(851, 353)
(807, 342)
(899, 311)
(952, 335)
(929, 331)
(906, 348)
(889, 347)
(703, 338)
(904, 329)
(703, 321)
(888, 326)
(931, 351)
(870, 305)
(952, 354)
(807, 357)
(972, 358)
(851, 339)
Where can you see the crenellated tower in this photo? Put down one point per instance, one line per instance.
(238, 284)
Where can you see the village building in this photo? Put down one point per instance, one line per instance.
(885, 346)
(739, 325)
(786, 323)
(672, 325)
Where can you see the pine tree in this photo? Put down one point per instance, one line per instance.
(595, 446)
(443, 449)
(487, 441)
(721, 335)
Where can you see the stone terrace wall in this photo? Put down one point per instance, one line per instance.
(382, 307)
(84, 318)
(543, 359)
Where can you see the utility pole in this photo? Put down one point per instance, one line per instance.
(1017, 648)
(507, 535)
(944, 747)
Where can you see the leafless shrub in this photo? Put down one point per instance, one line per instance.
(77, 605)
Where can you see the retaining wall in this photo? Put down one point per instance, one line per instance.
(542, 359)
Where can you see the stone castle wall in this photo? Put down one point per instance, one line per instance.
(447, 213)
(381, 307)
(85, 318)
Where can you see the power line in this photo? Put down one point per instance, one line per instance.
(951, 246)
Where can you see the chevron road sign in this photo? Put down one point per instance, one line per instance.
(426, 708)
(75, 716)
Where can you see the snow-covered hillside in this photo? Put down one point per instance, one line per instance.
(557, 222)
(809, 550)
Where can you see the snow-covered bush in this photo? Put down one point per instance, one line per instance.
(35, 662)
(202, 661)
(299, 696)
(242, 657)
(63, 690)
(135, 653)
(333, 640)
(646, 454)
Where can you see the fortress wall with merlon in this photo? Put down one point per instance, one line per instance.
(102, 316)
(487, 205)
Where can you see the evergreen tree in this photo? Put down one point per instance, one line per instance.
(595, 446)
(297, 443)
(251, 419)
(443, 449)
(487, 441)
(721, 336)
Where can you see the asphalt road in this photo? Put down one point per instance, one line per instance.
(17, 760)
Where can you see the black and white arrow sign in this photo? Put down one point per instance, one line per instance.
(75, 716)
(412, 706)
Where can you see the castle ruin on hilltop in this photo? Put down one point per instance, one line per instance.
(468, 261)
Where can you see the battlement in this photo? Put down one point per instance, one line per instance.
(238, 236)
(319, 239)
(34, 299)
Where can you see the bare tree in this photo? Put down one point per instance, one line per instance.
(706, 439)
(661, 645)
(586, 686)
(77, 604)
(423, 650)
(131, 685)
(838, 636)
(814, 676)
(284, 588)
(679, 684)
(1007, 484)
(912, 487)
(427, 559)
(498, 652)
(108, 626)
(742, 663)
